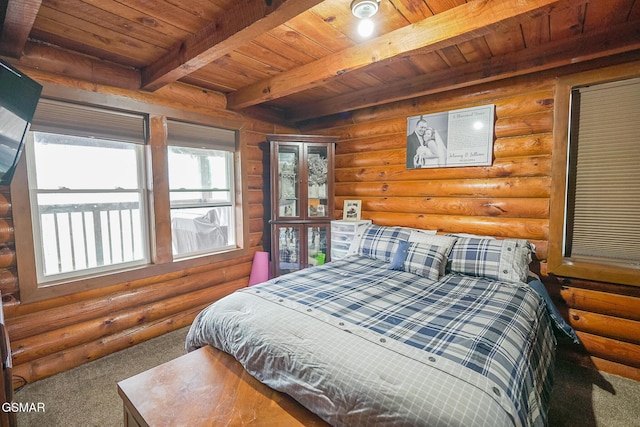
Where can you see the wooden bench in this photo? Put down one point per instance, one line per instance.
(207, 387)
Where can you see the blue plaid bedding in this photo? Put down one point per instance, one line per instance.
(500, 331)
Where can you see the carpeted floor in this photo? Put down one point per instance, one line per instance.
(87, 396)
(587, 398)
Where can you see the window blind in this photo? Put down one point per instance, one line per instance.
(605, 156)
(80, 120)
(200, 136)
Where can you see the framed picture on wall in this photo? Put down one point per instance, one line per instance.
(451, 138)
(352, 210)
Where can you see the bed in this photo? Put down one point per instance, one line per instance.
(411, 328)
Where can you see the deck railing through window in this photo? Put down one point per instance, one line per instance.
(82, 236)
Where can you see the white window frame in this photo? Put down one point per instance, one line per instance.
(157, 198)
(59, 129)
(205, 137)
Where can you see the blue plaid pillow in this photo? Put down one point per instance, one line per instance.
(426, 258)
(381, 242)
(495, 259)
(397, 263)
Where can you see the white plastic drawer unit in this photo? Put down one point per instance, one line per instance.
(342, 234)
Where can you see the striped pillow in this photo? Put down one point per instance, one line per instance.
(506, 260)
(427, 258)
(381, 242)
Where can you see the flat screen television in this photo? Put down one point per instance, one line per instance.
(19, 97)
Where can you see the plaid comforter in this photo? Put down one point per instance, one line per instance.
(458, 351)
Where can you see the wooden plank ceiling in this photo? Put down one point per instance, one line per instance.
(303, 59)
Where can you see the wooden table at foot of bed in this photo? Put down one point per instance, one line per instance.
(207, 387)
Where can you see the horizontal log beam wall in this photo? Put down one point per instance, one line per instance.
(57, 334)
(510, 198)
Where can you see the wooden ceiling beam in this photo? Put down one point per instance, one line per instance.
(453, 26)
(623, 38)
(18, 21)
(236, 27)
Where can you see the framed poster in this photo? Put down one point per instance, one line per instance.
(352, 210)
(452, 138)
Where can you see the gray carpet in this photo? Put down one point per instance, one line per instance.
(87, 395)
(587, 398)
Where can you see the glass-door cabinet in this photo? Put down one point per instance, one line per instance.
(302, 174)
(299, 246)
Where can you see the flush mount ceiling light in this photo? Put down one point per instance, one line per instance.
(363, 10)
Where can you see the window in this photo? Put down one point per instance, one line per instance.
(87, 190)
(201, 187)
(94, 184)
(595, 222)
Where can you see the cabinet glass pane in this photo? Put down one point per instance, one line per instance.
(288, 191)
(318, 171)
(289, 249)
(317, 244)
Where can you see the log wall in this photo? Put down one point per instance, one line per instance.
(510, 198)
(60, 333)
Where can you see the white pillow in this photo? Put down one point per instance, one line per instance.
(475, 236)
(428, 236)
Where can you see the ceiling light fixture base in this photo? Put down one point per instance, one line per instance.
(364, 8)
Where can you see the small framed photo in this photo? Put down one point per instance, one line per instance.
(352, 210)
